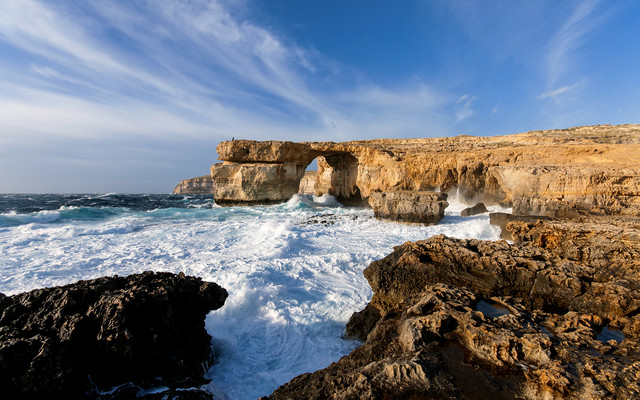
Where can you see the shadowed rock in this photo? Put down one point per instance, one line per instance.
(502, 219)
(71, 341)
(475, 210)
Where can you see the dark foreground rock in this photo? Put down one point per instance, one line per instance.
(77, 340)
(472, 319)
(475, 210)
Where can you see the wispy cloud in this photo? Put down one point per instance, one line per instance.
(561, 57)
(193, 59)
(464, 108)
(557, 92)
(109, 72)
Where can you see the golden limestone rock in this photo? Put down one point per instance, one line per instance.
(198, 185)
(591, 169)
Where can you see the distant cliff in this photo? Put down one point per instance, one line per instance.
(308, 182)
(199, 185)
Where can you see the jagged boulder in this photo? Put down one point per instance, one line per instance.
(408, 206)
(449, 343)
(475, 210)
(71, 341)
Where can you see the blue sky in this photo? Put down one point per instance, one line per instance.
(133, 96)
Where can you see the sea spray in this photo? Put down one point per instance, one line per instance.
(293, 271)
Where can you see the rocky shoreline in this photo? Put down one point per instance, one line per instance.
(472, 319)
(553, 313)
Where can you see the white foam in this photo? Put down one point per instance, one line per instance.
(327, 200)
(39, 217)
(292, 284)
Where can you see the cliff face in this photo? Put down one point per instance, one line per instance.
(587, 169)
(199, 185)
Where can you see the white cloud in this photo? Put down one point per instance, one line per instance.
(197, 70)
(560, 58)
(557, 92)
(464, 108)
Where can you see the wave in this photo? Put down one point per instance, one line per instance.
(312, 201)
(64, 213)
(12, 218)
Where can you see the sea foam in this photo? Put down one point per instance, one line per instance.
(293, 271)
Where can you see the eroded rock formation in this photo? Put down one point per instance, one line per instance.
(72, 341)
(199, 185)
(472, 319)
(407, 206)
(591, 169)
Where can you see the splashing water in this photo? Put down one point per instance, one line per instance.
(293, 271)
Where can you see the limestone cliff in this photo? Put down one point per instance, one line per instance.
(198, 185)
(591, 169)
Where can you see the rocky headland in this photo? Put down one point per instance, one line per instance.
(199, 185)
(552, 314)
(107, 338)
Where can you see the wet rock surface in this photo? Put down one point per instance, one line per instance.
(475, 210)
(472, 319)
(82, 339)
(407, 206)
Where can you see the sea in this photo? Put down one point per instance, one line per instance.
(293, 271)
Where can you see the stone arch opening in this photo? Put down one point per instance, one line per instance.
(268, 172)
(336, 174)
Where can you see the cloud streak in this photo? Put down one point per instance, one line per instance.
(560, 58)
(557, 92)
(226, 68)
(464, 108)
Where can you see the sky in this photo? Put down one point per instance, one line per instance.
(127, 96)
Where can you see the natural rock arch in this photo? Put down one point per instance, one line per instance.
(271, 171)
(584, 169)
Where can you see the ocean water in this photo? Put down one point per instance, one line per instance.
(293, 271)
